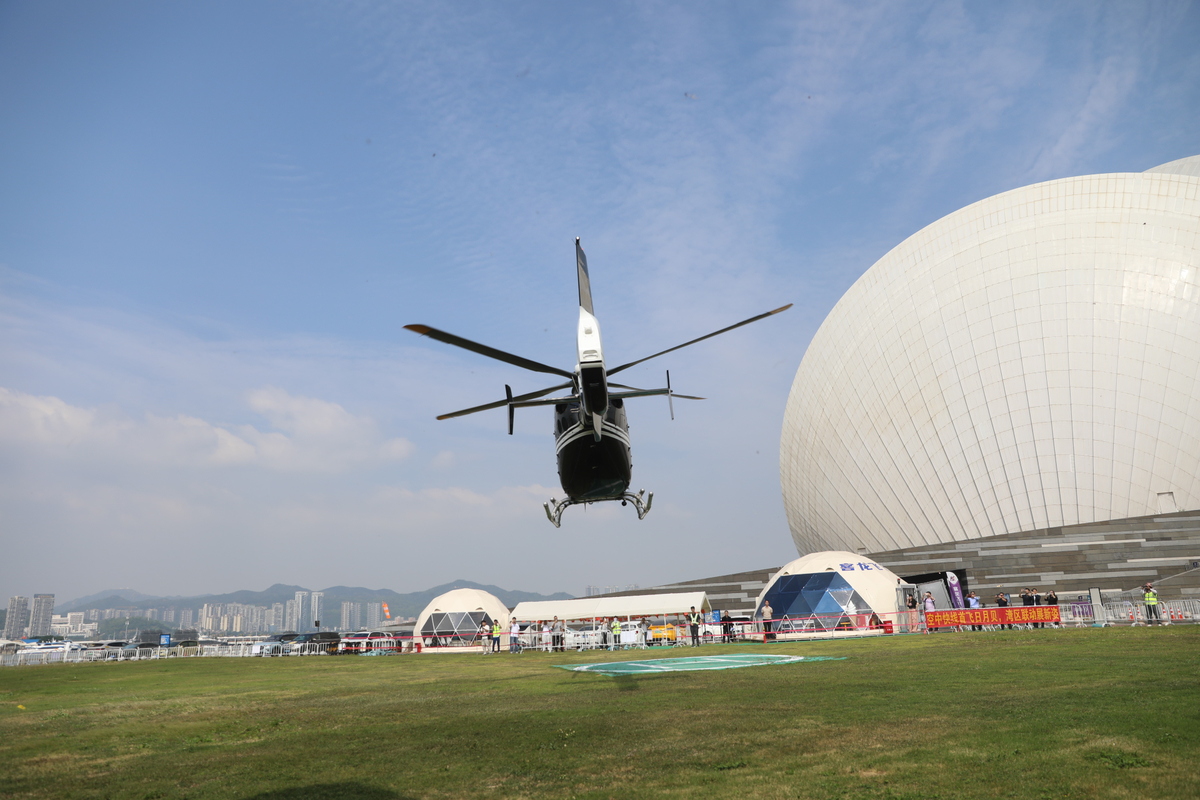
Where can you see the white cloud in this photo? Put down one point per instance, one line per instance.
(310, 435)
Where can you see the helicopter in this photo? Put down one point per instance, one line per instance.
(590, 428)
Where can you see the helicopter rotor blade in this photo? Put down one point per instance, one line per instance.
(649, 392)
(670, 402)
(615, 370)
(484, 350)
(506, 401)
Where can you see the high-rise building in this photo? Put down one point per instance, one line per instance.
(374, 615)
(289, 616)
(17, 619)
(303, 619)
(351, 616)
(41, 618)
(186, 618)
(317, 607)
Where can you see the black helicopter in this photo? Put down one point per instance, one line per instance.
(590, 431)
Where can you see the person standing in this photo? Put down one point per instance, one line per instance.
(973, 601)
(496, 628)
(1150, 598)
(557, 633)
(1050, 598)
(1027, 600)
(546, 640)
(485, 633)
(693, 619)
(928, 604)
(767, 617)
(727, 627)
(1002, 602)
(911, 614)
(616, 633)
(514, 637)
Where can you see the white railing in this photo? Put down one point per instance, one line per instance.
(594, 636)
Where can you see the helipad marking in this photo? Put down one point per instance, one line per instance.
(689, 664)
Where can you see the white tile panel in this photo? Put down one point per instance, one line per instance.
(1028, 361)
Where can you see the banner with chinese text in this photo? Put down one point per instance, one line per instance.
(1014, 615)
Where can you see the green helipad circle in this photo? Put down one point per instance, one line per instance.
(655, 666)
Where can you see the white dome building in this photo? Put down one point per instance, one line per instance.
(1027, 362)
(453, 618)
(829, 590)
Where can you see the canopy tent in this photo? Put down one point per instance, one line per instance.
(640, 605)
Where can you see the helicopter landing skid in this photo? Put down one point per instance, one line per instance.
(641, 503)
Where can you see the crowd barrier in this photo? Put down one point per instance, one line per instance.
(654, 634)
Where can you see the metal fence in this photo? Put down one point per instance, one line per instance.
(632, 634)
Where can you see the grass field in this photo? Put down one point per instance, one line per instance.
(1065, 714)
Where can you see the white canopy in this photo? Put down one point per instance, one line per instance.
(641, 605)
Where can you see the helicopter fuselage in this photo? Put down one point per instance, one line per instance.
(592, 469)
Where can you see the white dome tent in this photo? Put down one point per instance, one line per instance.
(452, 619)
(830, 590)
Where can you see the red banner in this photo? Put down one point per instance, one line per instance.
(1013, 615)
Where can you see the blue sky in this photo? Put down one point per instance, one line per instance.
(215, 219)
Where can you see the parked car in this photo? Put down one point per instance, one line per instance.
(318, 643)
(663, 634)
(139, 649)
(366, 641)
(275, 645)
(184, 647)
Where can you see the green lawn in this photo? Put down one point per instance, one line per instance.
(1087, 714)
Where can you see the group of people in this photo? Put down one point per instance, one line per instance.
(610, 633)
(1027, 597)
(489, 636)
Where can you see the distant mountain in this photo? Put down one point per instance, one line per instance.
(413, 603)
(400, 605)
(129, 596)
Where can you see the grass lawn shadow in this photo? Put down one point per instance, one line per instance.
(330, 791)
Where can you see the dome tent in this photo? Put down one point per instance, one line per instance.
(829, 589)
(453, 618)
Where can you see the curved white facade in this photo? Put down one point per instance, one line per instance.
(1031, 360)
